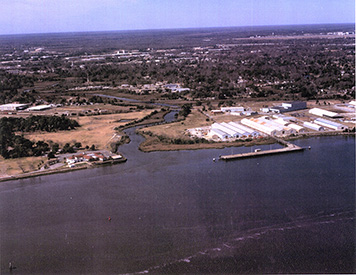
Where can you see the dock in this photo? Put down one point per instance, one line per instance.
(288, 149)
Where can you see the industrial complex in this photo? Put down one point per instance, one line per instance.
(272, 122)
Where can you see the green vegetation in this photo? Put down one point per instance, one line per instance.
(38, 123)
(16, 146)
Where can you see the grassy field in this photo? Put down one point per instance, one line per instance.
(177, 129)
(11, 167)
(97, 130)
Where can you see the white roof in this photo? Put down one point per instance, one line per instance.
(322, 112)
(296, 127)
(13, 105)
(225, 129)
(330, 124)
(39, 107)
(219, 133)
(313, 126)
(242, 127)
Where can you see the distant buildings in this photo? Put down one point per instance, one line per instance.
(234, 111)
(175, 88)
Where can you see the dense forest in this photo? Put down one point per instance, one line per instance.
(14, 145)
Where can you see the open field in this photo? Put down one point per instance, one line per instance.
(97, 130)
(9, 167)
(177, 129)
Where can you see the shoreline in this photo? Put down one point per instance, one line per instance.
(173, 147)
(61, 170)
(41, 173)
(221, 145)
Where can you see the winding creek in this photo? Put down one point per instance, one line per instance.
(180, 212)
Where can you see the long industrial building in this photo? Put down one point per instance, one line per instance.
(313, 126)
(225, 129)
(322, 113)
(236, 130)
(268, 126)
(13, 107)
(243, 133)
(40, 108)
(220, 134)
(255, 124)
(249, 131)
(232, 130)
(298, 128)
(282, 129)
(330, 124)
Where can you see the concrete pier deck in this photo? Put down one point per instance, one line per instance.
(289, 148)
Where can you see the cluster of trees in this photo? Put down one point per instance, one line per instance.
(39, 123)
(13, 145)
(16, 146)
(185, 110)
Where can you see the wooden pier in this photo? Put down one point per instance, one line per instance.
(289, 148)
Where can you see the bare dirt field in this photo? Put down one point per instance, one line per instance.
(11, 167)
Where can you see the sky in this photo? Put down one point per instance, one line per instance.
(43, 16)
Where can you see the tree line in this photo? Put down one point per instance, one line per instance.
(13, 145)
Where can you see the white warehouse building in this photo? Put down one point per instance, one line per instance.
(225, 129)
(313, 126)
(268, 126)
(40, 108)
(322, 112)
(13, 107)
(330, 124)
(249, 131)
(243, 133)
(297, 127)
(236, 130)
(232, 109)
(255, 124)
(220, 134)
(282, 129)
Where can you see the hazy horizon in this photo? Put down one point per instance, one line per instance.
(65, 16)
(177, 29)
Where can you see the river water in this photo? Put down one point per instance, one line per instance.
(180, 212)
